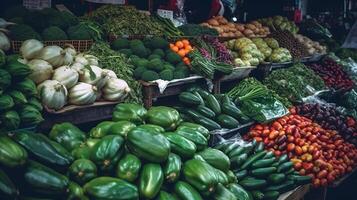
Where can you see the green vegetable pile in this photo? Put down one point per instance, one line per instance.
(126, 20)
(257, 101)
(280, 23)
(259, 171)
(141, 154)
(152, 59)
(47, 24)
(347, 53)
(19, 106)
(118, 63)
(294, 82)
(214, 112)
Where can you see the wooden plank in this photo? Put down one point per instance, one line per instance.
(296, 194)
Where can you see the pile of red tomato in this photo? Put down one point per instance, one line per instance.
(316, 152)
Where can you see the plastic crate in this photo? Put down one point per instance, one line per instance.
(79, 45)
(36, 4)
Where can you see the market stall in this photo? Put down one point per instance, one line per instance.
(253, 110)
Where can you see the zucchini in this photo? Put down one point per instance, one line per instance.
(7, 188)
(291, 171)
(232, 110)
(263, 163)
(172, 168)
(276, 178)
(223, 193)
(241, 174)
(252, 159)
(284, 167)
(239, 160)
(229, 147)
(283, 158)
(271, 195)
(236, 152)
(189, 98)
(269, 154)
(40, 146)
(216, 158)
(186, 192)
(128, 168)
(252, 183)
(203, 110)
(151, 180)
(239, 192)
(180, 145)
(45, 180)
(281, 188)
(263, 172)
(212, 103)
(257, 195)
(202, 120)
(227, 121)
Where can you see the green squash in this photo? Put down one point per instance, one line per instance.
(5, 80)
(10, 120)
(17, 70)
(6, 102)
(129, 112)
(101, 130)
(163, 116)
(108, 188)
(27, 87)
(121, 128)
(151, 180)
(11, 153)
(30, 116)
(186, 192)
(82, 171)
(35, 103)
(75, 192)
(172, 168)
(8, 190)
(128, 168)
(68, 135)
(18, 97)
(107, 152)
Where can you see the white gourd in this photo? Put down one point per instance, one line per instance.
(92, 60)
(53, 94)
(82, 94)
(70, 49)
(66, 76)
(31, 48)
(77, 66)
(115, 89)
(98, 78)
(110, 73)
(81, 59)
(56, 56)
(41, 70)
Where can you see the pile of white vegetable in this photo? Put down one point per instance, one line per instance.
(63, 76)
(311, 46)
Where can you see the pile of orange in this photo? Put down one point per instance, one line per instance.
(182, 48)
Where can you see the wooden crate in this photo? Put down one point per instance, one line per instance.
(79, 45)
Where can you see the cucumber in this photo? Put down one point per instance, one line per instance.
(213, 104)
(271, 195)
(203, 110)
(202, 120)
(252, 159)
(284, 167)
(257, 195)
(269, 154)
(252, 183)
(227, 121)
(263, 163)
(281, 188)
(283, 158)
(230, 147)
(232, 110)
(241, 174)
(299, 180)
(236, 152)
(239, 160)
(259, 147)
(276, 178)
(263, 172)
(291, 171)
(189, 98)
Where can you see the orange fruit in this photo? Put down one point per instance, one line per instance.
(171, 45)
(188, 48)
(185, 42)
(186, 60)
(179, 44)
(182, 52)
(175, 49)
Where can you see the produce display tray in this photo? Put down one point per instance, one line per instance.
(79, 114)
(238, 73)
(295, 194)
(79, 45)
(151, 90)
